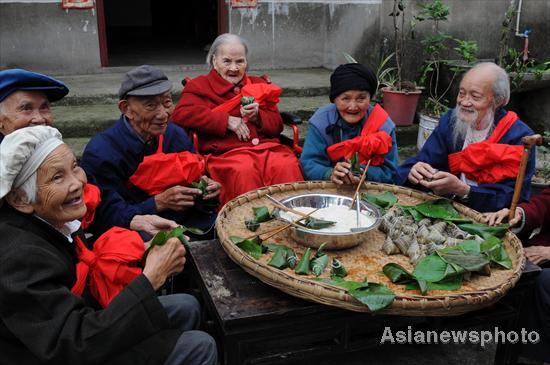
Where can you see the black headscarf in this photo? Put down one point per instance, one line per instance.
(352, 76)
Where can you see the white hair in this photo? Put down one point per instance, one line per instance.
(29, 189)
(501, 85)
(222, 39)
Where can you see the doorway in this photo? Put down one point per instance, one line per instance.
(137, 32)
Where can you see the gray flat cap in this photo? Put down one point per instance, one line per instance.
(144, 81)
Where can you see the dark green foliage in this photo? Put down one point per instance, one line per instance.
(246, 100)
(384, 200)
(337, 269)
(303, 266)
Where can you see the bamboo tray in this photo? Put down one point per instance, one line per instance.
(364, 260)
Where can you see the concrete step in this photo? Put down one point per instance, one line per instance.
(86, 120)
(103, 88)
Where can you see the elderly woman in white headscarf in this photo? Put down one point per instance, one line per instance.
(48, 308)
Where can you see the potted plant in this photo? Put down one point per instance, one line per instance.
(436, 82)
(401, 98)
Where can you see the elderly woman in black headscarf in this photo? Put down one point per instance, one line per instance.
(349, 133)
(53, 306)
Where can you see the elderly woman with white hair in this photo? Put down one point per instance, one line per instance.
(242, 139)
(53, 308)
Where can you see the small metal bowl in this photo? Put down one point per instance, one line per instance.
(335, 240)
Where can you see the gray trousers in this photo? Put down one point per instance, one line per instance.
(193, 347)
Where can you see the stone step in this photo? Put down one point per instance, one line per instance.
(75, 121)
(103, 88)
(87, 120)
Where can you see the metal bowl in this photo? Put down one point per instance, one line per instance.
(335, 240)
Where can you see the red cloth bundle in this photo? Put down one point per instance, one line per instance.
(267, 95)
(92, 198)
(111, 266)
(161, 171)
(372, 147)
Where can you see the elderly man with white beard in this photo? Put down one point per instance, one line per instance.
(473, 155)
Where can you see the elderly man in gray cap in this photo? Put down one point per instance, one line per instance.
(144, 163)
(51, 311)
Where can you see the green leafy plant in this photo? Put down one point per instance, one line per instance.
(385, 75)
(435, 45)
(516, 67)
(543, 172)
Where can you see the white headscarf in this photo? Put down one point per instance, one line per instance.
(22, 152)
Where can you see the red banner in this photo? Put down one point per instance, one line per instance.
(77, 4)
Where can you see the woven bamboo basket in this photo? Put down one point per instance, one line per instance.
(364, 260)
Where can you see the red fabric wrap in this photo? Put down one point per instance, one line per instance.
(371, 144)
(249, 168)
(92, 198)
(267, 95)
(111, 266)
(160, 171)
(489, 162)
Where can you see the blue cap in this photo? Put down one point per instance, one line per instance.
(16, 79)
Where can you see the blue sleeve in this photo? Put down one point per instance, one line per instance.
(314, 159)
(386, 173)
(113, 210)
(435, 152)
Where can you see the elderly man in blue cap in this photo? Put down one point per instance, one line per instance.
(25, 99)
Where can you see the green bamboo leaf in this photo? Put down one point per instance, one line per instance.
(376, 296)
(467, 260)
(314, 223)
(202, 184)
(262, 214)
(282, 252)
(194, 230)
(384, 200)
(319, 264)
(484, 230)
(342, 283)
(430, 268)
(412, 211)
(495, 251)
(321, 249)
(397, 273)
(337, 269)
(246, 100)
(250, 248)
(452, 283)
(279, 259)
(252, 225)
(438, 209)
(303, 266)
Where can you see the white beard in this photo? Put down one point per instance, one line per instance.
(461, 125)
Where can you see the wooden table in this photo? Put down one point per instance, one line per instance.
(254, 323)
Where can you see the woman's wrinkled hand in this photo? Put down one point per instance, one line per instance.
(537, 254)
(164, 261)
(240, 128)
(341, 174)
(250, 111)
(497, 217)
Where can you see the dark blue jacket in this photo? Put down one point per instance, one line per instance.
(111, 157)
(484, 197)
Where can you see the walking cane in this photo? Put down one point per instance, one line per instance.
(528, 143)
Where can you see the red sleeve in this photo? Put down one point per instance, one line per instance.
(194, 109)
(537, 211)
